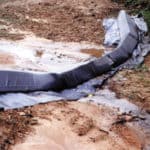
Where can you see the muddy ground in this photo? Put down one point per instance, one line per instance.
(69, 125)
(66, 125)
(134, 85)
(70, 20)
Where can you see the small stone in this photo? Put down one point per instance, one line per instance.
(34, 122)
(22, 114)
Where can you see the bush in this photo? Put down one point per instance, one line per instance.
(138, 6)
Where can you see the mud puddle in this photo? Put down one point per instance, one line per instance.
(37, 54)
(93, 52)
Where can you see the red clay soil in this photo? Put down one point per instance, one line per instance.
(14, 126)
(65, 125)
(134, 85)
(69, 20)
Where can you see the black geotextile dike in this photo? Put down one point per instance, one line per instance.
(86, 72)
(13, 81)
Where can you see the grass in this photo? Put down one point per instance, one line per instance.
(143, 68)
(138, 6)
(146, 14)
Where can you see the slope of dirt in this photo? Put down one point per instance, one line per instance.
(69, 20)
(65, 125)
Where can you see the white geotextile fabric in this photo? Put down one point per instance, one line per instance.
(112, 36)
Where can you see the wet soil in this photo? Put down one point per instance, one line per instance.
(65, 125)
(56, 20)
(6, 59)
(39, 54)
(14, 125)
(93, 52)
(134, 85)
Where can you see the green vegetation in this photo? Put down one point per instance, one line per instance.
(146, 14)
(143, 68)
(138, 6)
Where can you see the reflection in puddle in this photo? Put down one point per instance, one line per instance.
(93, 52)
(6, 59)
